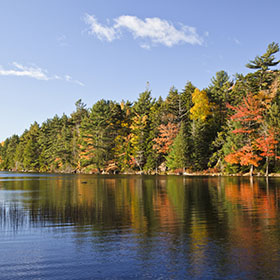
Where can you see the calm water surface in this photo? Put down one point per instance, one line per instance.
(138, 227)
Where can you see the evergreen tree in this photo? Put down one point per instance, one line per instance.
(219, 93)
(11, 150)
(31, 149)
(4, 154)
(187, 104)
(140, 129)
(173, 104)
(154, 158)
(76, 119)
(176, 159)
(266, 60)
(62, 144)
(262, 63)
(98, 132)
(123, 146)
(7, 153)
(202, 137)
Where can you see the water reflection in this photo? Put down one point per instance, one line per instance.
(194, 228)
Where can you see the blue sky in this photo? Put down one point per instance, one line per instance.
(53, 53)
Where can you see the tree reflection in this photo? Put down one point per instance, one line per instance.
(225, 222)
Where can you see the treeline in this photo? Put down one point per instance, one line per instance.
(231, 126)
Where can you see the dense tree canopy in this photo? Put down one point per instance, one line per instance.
(231, 126)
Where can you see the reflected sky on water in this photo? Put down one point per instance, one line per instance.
(138, 227)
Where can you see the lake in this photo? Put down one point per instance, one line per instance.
(138, 227)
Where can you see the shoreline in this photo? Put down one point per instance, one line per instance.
(185, 174)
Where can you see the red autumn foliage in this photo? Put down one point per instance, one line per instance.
(244, 156)
(250, 116)
(250, 111)
(167, 134)
(266, 144)
(260, 141)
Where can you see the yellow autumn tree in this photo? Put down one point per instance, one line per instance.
(201, 129)
(201, 108)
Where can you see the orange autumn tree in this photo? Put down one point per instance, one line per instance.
(249, 117)
(244, 156)
(165, 139)
(266, 143)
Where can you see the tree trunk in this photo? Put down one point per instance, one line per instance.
(251, 170)
(267, 164)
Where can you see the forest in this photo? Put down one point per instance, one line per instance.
(230, 127)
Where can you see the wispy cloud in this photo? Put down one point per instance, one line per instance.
(154, 31)
(100, 31)
(71, 80)
(35, 73)
(23, 71)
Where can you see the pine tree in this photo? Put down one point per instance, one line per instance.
(266, 60)
(262, 63)
(76, 119)
(8, 151)
(201, 139)
(96, 136)
(176, 159)
(123, 146)
(219, 92)
(154, 159)
(187, 104)
(140, 129)
(31, 149)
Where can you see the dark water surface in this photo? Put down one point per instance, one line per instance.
(138, 227)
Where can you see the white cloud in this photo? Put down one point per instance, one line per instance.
(101, 32)
(154, 30)
(35, 73)
(23, 71)
(70, 79)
